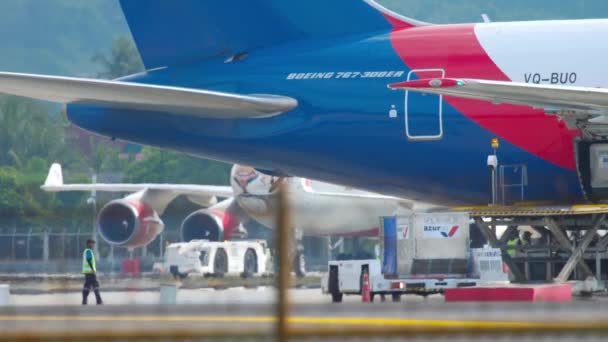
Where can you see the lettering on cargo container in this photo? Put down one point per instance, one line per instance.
(440, 231)
(403, 232)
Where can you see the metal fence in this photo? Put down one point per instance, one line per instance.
(59, 244)
(59, 250)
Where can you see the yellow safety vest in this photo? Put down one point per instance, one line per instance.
(86, 269)
(511, 247)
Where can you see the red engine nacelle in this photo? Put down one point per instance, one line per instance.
(212, 225)
(129, 223)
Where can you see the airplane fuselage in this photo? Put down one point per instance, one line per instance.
(315, 208)
(350, 129)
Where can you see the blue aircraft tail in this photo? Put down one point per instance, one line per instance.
(169, 32)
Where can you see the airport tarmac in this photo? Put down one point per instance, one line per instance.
(251, 310)
(204, 296)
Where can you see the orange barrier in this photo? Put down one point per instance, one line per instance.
(365, 289)
(131, 267)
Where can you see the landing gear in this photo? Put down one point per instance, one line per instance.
(299, 264)
(297, 253)
(333, 285)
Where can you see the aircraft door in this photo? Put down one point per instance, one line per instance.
(423, 112)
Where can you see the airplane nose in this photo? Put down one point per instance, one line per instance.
(242, 182)
(242, 176)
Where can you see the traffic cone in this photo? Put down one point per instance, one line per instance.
(365, 289)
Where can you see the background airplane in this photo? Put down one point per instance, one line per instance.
(317, 208)
(301, 88)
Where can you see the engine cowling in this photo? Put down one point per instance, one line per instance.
(212, 225)
(129, 223)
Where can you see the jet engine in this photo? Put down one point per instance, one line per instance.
(212, 225)
(129, 223)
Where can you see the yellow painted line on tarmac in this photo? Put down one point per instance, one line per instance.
(351, 321)
(400, 322)
(239, 319)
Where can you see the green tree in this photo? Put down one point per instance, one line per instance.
(123, 60)
(32, 136)
(12, 205)
(28, 129)
(99, 154)
(103, 156)
(161, 166)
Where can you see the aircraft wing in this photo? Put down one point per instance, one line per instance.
(572, 104)
(54, 183)
(137, 96)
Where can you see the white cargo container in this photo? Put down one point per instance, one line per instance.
(247, 258)
(422, 253)
(437, 244)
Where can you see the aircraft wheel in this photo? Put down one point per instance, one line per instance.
(299, 264)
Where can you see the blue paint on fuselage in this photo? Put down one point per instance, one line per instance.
(341, 131)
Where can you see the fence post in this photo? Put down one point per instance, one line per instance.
(77, 245)
(112, 259)
(161, 248)
(27, 244)
(13, 252)
(63, 233)
(45, 245)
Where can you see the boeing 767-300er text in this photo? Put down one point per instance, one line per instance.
(334, 90)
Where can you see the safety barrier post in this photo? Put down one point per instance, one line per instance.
(365, 288)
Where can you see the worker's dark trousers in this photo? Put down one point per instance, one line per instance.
(90, 281)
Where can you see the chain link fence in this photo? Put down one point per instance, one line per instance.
(24, 250)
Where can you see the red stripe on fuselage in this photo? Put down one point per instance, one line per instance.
(456, 49)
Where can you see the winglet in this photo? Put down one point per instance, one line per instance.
(55, 176)
(397, 20)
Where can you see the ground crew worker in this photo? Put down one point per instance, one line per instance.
(89, 269)
(377, 251)
(511, 250)
(512, 246)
